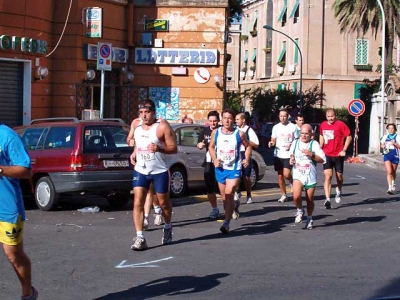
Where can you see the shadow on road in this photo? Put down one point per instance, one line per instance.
(391, 291)
(170, 286)
(369, 201)
(353, 220)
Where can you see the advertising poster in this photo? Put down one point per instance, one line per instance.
(167, 102)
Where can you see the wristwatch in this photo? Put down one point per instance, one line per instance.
(1, 171)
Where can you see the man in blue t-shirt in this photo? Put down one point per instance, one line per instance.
(14, 165)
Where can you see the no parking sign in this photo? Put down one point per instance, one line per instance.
(104, 56)
(356, 107)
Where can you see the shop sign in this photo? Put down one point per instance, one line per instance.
(94, 22)
(119, 55)
(23, 44)
(176, 56)
(156, 25)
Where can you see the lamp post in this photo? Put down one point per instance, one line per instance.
(301, 63)
(383, 69)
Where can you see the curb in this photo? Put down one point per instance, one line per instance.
(375, 161)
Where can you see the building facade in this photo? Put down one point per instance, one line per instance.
(168, 51)
(335, 61)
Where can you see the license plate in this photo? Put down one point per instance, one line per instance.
(115, 163)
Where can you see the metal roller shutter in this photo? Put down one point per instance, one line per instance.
(11, 92)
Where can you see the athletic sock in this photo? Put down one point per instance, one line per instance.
(146, 216)
(167, 226)
(139, 233)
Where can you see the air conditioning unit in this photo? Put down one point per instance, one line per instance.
(158, 43)
(292, 68)
(90, 114)
(280, 70)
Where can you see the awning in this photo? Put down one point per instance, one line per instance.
(253, 58)
(295, 7)
(283, 52)
(255, 20)
(283, 11)
(246, 55)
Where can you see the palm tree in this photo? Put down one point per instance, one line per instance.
(363, 15)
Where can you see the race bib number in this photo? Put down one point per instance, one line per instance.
(227, 156)
(145, 154)
(328, 135)
(303, 168)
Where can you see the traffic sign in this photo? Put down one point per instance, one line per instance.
(356, 107)
(104, 56)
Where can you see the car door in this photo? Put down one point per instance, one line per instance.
(187, 148)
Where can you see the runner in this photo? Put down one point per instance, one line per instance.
(151, 197)
(390, 143)
(305, 153)
(225, 153)
(299, 122)
(246, 172)
(334, 139)
(282, 138)
(153, 139)
(209, 169)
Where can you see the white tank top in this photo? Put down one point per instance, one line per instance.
(147, 162)
(227, 147)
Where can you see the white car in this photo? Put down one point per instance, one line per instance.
(186, 165)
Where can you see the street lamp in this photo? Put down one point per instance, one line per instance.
(301, 63)
(383, 69)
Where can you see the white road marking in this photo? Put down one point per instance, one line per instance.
(147, 264)
(357, 177)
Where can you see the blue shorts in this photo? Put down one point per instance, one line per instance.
(392, 156)
(246, 171)
(222, 175)
(160, 181)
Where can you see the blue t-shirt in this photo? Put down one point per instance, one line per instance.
(12, 153)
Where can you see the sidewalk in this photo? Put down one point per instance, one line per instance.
(374, 160)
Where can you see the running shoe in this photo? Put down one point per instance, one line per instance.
(145, 223)
(282, 199)
(393, 187)
(32, 296)
(224, 228)
(299, 216)
(158, 219)
(390, 192)
(139, 244)
(237, 196)
(309, 223)
(235, 214)
(167, 236)
(327, 204)
(338, 197)
(214, 214)
(249, 200)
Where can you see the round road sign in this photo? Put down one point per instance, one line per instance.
(356, 107)
(105, 51)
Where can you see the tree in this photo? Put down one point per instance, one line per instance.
(363, 15)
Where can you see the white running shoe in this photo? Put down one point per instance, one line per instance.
(309, 223)
(390, 192)
(139, 244)
(158, 219)
(145, 223)
(299, 216)
(282, 199)
(393, 187)
(237, 196)
(338, 197)
(249, 200)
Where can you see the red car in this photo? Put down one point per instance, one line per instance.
(77, 156)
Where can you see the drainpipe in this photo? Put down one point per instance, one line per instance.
(322, 51)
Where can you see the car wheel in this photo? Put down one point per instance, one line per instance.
(119, 199)
(46, 197)
(178, 183)
(253, 175)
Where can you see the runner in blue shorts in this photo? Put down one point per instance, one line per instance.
(225, 153)
(390, 143)
(153, 140)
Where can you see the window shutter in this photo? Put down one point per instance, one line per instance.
(362, 49)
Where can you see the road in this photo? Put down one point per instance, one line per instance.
(350, 254)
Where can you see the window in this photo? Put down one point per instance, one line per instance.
(362, 48)
(357, 90)
(296, 52)
(31, 137)
(295, 87)
(282, 56)
(60, 138)
(147, 39)
(295, 12)
(283, 15)
(253, 58)
(246, 56)
(281, 86)
(189, 136)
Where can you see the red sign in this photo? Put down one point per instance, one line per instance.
(356, 107)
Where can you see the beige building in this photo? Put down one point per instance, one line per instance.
(337, 62)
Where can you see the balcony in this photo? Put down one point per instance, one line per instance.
(253, 33)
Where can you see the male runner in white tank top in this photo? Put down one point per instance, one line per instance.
(153, 140)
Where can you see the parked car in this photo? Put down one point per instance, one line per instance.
(77, 156)
(186, 166)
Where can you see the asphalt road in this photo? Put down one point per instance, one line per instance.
(352, 253)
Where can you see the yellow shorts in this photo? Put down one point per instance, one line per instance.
(11, 234)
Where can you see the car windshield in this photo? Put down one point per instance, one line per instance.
(105, 139)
